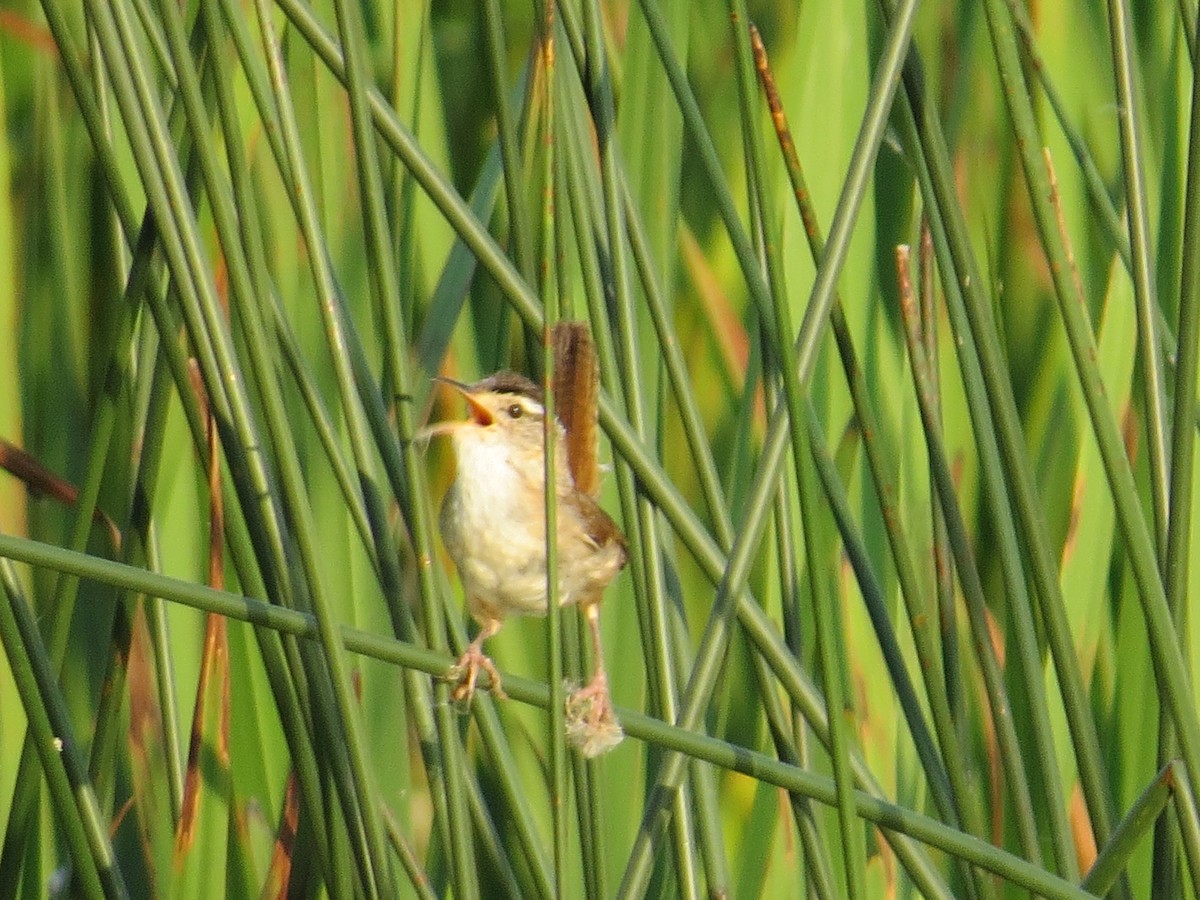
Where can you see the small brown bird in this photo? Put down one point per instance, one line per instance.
(493, 522)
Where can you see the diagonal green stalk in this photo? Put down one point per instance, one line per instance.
(149, 462)
(1152, 320)
(646, 566)
(1016, 772)
(968, 572)
(789, 746)
(248, 576)
(1097, 187)
(1189, 821)
(589, 796)
(1114, 855)
(942, 567)
(890, 817)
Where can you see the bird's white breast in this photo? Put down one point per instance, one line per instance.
(494, 524)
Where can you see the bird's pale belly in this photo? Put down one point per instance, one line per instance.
(500, 552)
(494, 525)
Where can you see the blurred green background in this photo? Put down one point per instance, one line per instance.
(265, 227)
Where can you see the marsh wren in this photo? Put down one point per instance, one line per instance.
(493, 522)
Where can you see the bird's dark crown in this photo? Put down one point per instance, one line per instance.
(506, 382)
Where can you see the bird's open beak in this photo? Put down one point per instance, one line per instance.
(480, 414)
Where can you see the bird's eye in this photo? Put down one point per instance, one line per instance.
(515, 411)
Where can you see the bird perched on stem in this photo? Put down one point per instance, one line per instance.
(493, 519)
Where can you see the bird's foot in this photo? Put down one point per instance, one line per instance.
(592, 727)
(466, 673)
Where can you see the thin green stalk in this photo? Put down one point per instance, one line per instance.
(677, 375)
(1189, 821)
(238, 539)
(159, 166)
(710, 486)
(323, 426)
(652, 603)
(92, 110)
(502, 766)
(100, 432)
(519, 226)
(153, 608)
(162, 179)
(51, 734)
(1110, 862)
(153, 34)
(450, 785)
(403, 469)
(830, 653)
(491, 846)
(451, 779)
(759, 630)
(253, 328)
(1154, 396)
(1182, 433)
(941, 563)
(417, 876)
(1096, 186)
(826, 613)
(761, 633)
(681, 516)
(556, 721)
(574, 190)
(435, 184)
(679, 381)
(117, 377)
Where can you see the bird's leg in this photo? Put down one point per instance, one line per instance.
(592, 726)
(595, 690)
(466, 670)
